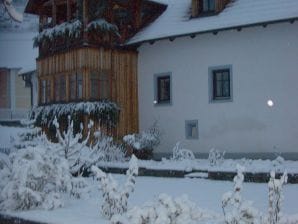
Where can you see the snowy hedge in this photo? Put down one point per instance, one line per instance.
(68, 29)
(101, 25)
(104, 111)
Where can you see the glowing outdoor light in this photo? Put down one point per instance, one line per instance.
(270, 103)
(155, 101)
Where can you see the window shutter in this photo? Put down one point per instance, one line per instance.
(195, 8)
(220, 5)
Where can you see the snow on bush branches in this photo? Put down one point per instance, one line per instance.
(105, 111)
(275, 197)
(182, 154)
(235, 209)
(71, 145)
(115, 198)
(216, 157)
(165, 210)
(68, 29)
(36, 179)
(102, 26)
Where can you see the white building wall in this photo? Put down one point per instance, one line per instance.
(264, 66)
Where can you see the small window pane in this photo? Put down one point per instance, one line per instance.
(72, 87)
(104, 86)
(164, 89)
(191, 129)
(94, 79)
(62, 89)
(221, 84)
(57, 89)
(79, 86)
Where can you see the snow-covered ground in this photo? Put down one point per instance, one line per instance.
(6, 133)
(206, 194)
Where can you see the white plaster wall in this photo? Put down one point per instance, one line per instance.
(265, 66)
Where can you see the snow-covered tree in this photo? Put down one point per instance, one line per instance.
(235, 209)
(11, 11)
(71, 145)
(216, 157)
(115, 198)
(182, 154)
(165, 210)
(36, 179)
(275, 197)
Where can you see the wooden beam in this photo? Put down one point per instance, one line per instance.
(137, 13)
(54, 13)
(68, 10)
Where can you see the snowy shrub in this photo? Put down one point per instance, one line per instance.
(36, 179)
(67, 29)
(79, 187)
(105, 149)
(216, 157)
(31, 137)
(5, 169)
(144, 142)
(103, 26)
(115, 198)
(71, 145)
(165, 210)
(104, 111)
(235, 209)
(182, 154)
(275, 197)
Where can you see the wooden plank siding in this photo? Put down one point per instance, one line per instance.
(122, 69)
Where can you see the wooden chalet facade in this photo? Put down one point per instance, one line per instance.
(81, 56)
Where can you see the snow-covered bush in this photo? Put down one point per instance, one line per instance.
(102, 26)
(115, 198)
(165, 210)
(144, 142)
(235, 209)
(216, 157)
(30, 137)
(105, 149)
(182, 154)
(71, 145)
(5, 169)
(79, 187)
(36, 179)
(67, 29)
(275, 197)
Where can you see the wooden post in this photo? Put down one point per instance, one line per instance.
(137, 13)
(68, 10)
(54, 13)
(85, 19)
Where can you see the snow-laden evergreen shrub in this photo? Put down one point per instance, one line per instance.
(216, 157)
(182, 154)
(165, 210)
(36, 179)
(66, 29)
(30, 137)
(105, 111)
(79, 187)
(145, 142)
(235, 209)
(105, 149)
(71, 146)
(5, 169)
(102, 26)
(275, 197)
(115, 198)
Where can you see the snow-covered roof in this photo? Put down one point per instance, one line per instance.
(17, 51)
(175, 21)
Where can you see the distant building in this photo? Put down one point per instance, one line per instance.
(18, 85)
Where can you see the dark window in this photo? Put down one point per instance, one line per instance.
(45, 91)
(191, 129)
(76, 86)
(163, 89)
(221, 84)
(208, 5)
(60, 88)
(100, 85)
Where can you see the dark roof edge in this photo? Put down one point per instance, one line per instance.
(172, 37)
